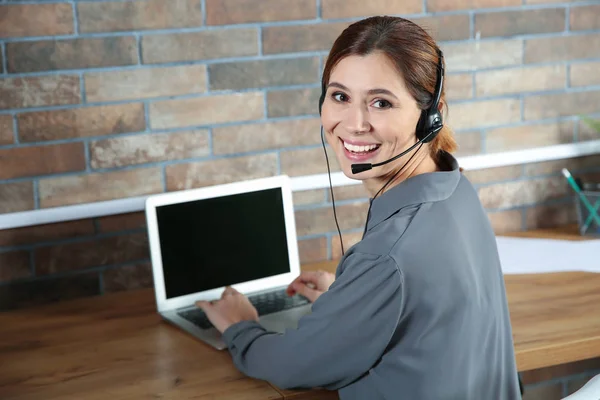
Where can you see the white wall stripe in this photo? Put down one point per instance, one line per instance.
(318, 181)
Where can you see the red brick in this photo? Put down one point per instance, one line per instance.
(445, 5)
(320, 220)
(20, 20)
(14, 265)
(446, 27)
(562, 104)
(71, 54)
(320, 37)
(90, 188)
(128, 277)
(39, 91)
(560, 48)
(484, 113)
(81, 122)
(523, 22)
(311, 196)
(524, 79)
(207, 173)
(313, 161)
(265, 136)
(142, 149)
(312, 250)
(489, 175)
(585, 18)
(587, 132)
(175, 47)
(91, 253)
(145, 83)
(506, 221)
(114, 16)
(236, 107)
(46, 233)
(528, 136)
(469, 143)
(459, 86)
(471, 56)
(34, 293)
(348, 192)
(359, 8)
(349, 240)
(554, 167)
(511, 194)
(225, 12)
(292, 102)
(122, 222)
(7, 135)
(41, 160)
(551, 216)
(550, 1)
(16, 197)
(264, 73)
(585, 74)
(298, 38)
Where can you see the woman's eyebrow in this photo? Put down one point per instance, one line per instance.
(371, 91)
(382, 91)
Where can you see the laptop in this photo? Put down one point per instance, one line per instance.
(239, 234)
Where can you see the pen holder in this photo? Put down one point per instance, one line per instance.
(587, 224)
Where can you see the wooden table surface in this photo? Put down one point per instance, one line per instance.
(116, 346)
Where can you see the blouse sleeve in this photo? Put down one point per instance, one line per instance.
(346, 333)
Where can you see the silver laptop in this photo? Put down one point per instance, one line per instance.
(240, 234)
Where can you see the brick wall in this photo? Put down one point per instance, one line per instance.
(102, 100)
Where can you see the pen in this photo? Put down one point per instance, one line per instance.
(588, 186)
(584, 199)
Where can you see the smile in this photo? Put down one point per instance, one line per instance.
(361, 149)
(360, 152)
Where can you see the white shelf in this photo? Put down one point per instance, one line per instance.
(318, 181)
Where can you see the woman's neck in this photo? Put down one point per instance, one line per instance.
(421, 163)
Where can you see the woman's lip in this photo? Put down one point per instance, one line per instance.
(358, 157)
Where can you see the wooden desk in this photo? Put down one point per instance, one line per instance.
(116, 347)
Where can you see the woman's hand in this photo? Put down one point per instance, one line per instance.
(311, 284)
(233, 307)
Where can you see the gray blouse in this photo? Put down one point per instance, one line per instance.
(418, 309)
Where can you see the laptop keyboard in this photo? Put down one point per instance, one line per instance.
(265, 303)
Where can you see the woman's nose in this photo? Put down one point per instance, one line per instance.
(357, 119)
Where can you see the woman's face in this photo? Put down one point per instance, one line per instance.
(368, 115)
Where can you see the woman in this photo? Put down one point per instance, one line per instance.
(417, 308)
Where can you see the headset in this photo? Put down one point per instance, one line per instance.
(429, 124)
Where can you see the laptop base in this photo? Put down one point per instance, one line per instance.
(275, 322)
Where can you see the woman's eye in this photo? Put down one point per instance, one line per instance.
(339, 97)
(382, 104)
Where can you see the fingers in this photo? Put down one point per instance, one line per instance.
(229, 291)
(205, 306)
(306, 291)
(310, 278)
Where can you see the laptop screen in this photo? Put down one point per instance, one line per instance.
(222, 241)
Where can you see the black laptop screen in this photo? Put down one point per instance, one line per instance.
(222, 241)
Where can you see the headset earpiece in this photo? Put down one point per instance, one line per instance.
(431, 122)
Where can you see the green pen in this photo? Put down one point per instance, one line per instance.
(584, 199)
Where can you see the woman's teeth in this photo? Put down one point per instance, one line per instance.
(360, 149)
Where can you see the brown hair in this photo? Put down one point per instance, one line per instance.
(412, 50)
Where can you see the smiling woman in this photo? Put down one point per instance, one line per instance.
(379, 84)
(417, 308)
